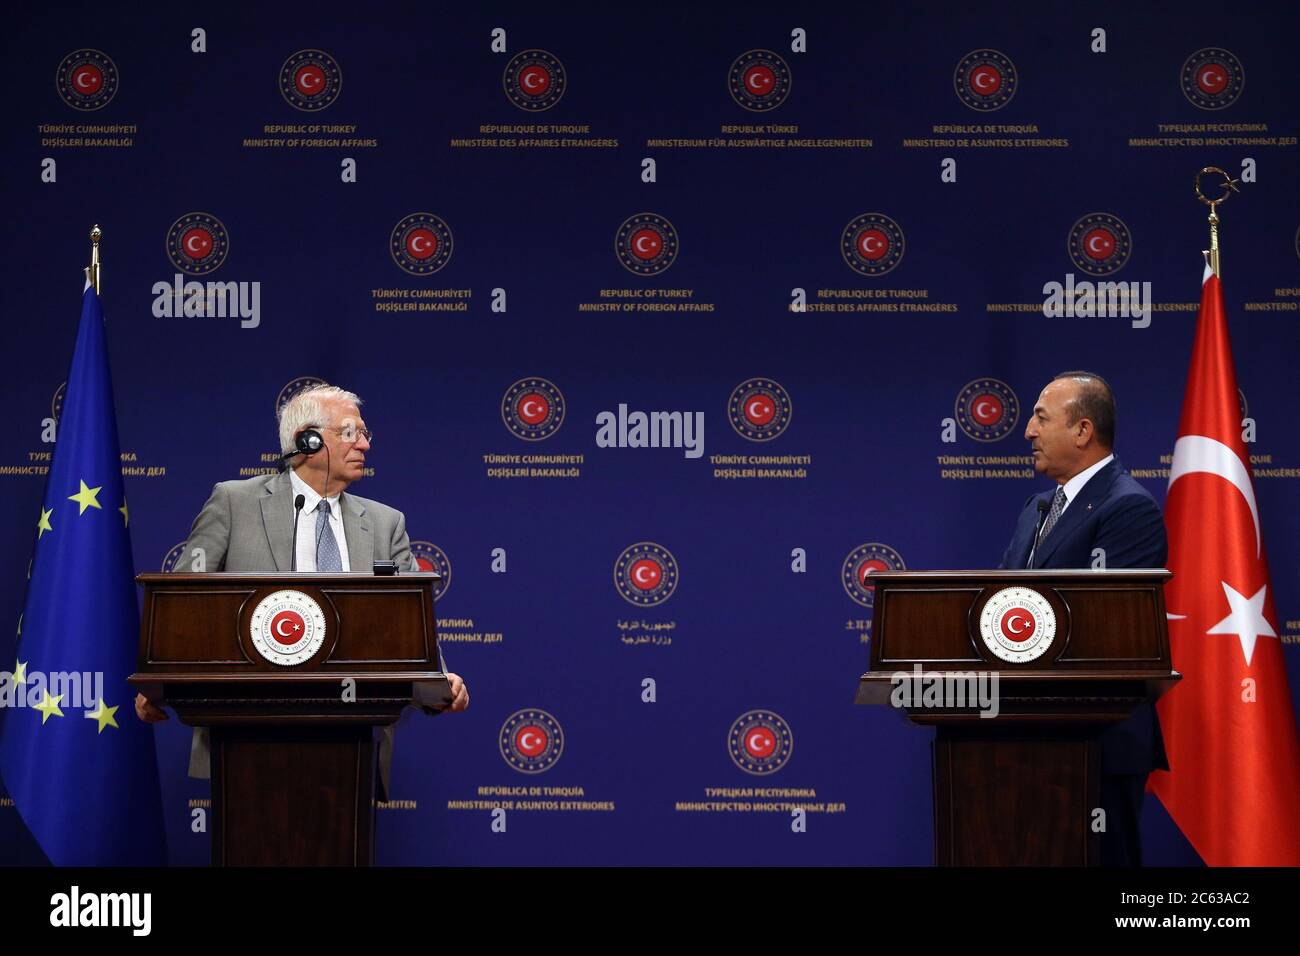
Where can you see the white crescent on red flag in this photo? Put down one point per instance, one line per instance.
(1229, 726)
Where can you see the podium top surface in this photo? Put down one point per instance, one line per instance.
(288, 577)
(1037, 574)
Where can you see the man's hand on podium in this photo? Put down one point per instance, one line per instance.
(147, 711)
(459, 693)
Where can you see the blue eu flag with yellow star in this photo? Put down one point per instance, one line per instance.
(78, 763)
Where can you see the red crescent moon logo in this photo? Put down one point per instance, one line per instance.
(759, 79)
(1099, 243)
(421, 243)
(760, 742)
(986, 80)
(1017, 624)
(309, 79)
(1212, 78)
(645, 574)
(868, 568)
(533, 408)
(646, 243)
(87, 78)
(987, 409)
(760, 410)
(535, 80)
(197, 243)
(872, 244)
(287, 627)
(531, 740)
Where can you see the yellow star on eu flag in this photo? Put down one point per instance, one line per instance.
(43, 525)
(48, 706)
(104, 715)
(86, 497)
(20, 672)
(126, 517)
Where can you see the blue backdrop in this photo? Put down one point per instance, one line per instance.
(976, 143)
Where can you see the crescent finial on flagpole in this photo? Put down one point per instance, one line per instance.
(95, 235)
(1229, 187)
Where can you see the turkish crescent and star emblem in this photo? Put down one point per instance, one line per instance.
(759, 409)
(987, 409)
(534, 80)
(1100, 244)
(310, 80)
(872, 244)
(646, 574)
(287, 627)
(198, 243)
(985, 80)
(86, 80)
(533, 408)
(1017, 625)
(759, 81)
(531, 740)
(1212, 78)
(421, 243)
(760, 742)
(646, 244)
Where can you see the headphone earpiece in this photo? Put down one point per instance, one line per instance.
(309, 441)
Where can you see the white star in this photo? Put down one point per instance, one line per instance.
(1246, 619)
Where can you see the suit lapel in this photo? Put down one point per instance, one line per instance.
(277, 517)
(1077, 511)
(360, 538)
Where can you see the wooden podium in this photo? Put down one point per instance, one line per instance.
(1074, 652)
(293, 673)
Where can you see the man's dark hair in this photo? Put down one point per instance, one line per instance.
(1093, 401)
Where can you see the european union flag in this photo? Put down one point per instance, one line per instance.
(78, 764)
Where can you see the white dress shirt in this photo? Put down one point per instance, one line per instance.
(1072, 487)
(307, 524)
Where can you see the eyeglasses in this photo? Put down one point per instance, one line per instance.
(350, 433)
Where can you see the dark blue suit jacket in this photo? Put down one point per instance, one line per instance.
(1115, 513)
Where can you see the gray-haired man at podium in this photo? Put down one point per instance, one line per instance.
(249, 525)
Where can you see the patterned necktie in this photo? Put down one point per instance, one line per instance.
(1058, 505)
(327, 546)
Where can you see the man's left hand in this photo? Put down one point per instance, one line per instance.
(459, 693)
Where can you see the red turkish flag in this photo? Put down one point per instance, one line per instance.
(1229, 727)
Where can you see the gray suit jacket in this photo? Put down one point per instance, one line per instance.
(247, 525)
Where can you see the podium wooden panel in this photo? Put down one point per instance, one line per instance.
(293, 752)
(1020, 788)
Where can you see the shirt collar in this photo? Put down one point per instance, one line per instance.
(310, 498)
(1075, 484)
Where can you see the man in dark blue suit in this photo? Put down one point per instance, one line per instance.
(1098, 517)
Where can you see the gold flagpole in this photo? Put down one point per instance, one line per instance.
(1229, 187)
(93, 272)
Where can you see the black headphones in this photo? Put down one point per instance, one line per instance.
(309, 441)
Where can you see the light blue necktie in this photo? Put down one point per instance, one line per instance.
(327, 546)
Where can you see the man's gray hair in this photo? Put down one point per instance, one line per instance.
(307, 409)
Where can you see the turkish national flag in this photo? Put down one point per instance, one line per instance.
(1229, 728)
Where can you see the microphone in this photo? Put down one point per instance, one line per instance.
(1044, 507)
(297, 510)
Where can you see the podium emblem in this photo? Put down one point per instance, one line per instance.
(1018, 625)
(287, 627)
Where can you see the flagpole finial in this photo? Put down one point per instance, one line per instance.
(1229, 187)
(95, 235)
